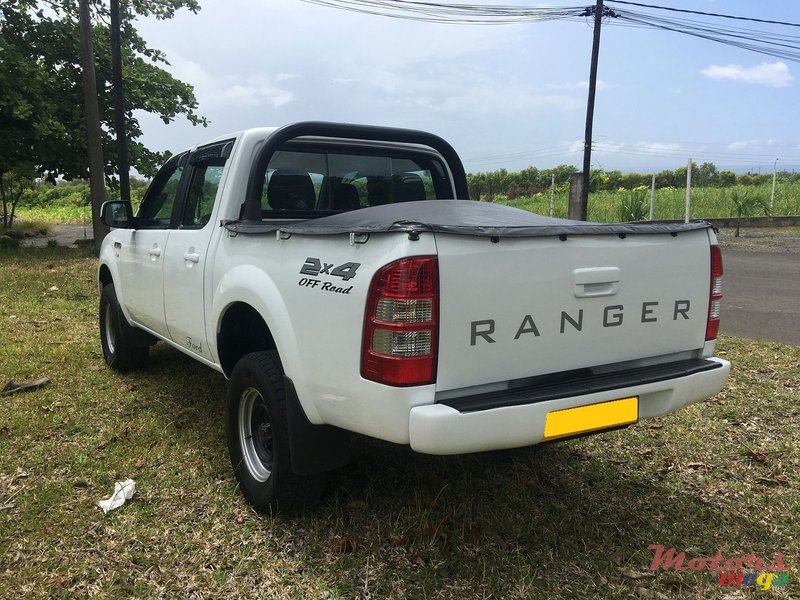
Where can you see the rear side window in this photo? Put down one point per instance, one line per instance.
(301, 183)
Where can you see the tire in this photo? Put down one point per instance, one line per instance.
(116, 335)
(258, 438)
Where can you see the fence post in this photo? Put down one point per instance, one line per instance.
(652, 196)
(552, 191)
(575, 187)
(688, 192)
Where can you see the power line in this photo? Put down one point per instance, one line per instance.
(464, 14)
(705, 14)
(770, 43)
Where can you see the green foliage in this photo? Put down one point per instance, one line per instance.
(531, 180)
(707, 203)
(68, 201)
(746, 204)
(634, 206)
(41, 107)
(528, 182)
(13, 184)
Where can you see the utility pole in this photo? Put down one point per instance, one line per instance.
(774, 174)
(119, 104)
(587, 142)
(97, 184)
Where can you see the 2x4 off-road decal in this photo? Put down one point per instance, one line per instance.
(315, 267)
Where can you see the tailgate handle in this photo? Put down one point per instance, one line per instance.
(596, 281)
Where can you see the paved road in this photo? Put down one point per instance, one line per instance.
(761, 295)
(65, 235)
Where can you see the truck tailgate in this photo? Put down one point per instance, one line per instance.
(520, 307)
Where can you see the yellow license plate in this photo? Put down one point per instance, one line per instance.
(583, 419)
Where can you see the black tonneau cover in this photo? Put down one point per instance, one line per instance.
(462, 217)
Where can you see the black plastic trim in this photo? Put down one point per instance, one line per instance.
(313, 448)
(252, 204)
(579, 383)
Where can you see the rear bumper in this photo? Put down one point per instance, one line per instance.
(443, 429)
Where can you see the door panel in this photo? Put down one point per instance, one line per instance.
(187, 251)
(143, 254)
(142, 277)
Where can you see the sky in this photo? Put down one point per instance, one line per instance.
(505, 96)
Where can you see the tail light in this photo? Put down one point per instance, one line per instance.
(715, 294)
(401, 324)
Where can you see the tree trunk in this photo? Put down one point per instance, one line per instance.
(97, 184)
(3, 198)
(15, 200)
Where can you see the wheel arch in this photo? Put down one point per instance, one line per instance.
(104, 276)
(241, 330)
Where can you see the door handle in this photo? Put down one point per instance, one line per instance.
(597, 281)
(192, 256)
(155, 251)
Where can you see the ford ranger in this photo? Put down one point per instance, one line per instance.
(337, 277)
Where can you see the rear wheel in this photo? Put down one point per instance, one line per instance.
(120, 353)
(258, 438)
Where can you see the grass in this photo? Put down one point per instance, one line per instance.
(572, 519)
(670, 203)
(707, 203)
(56, 214)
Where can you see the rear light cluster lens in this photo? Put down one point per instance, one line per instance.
(401, 329)
(715, 294)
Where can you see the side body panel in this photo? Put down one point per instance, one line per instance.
(142, 274)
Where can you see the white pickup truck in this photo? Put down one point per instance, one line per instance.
(328, 271)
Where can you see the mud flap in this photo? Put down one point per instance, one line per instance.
(314, 448)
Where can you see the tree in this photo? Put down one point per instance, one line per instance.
(745, 204)
(705, 175)
(726, 178)
(41, 107)
(12, 186)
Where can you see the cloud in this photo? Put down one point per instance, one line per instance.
(231, 90)
(657, 147)
(770, 74)
(607, 147)
(741, 145)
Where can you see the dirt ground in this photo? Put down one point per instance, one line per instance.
(63, 234)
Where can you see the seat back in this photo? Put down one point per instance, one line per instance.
(291, 190)
(408, 187)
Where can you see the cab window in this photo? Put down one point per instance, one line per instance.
(305, 183)
(159, 200)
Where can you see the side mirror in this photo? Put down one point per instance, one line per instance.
(117, 213)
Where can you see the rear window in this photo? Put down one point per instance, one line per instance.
(300, 183)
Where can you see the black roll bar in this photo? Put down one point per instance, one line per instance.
(252, 204)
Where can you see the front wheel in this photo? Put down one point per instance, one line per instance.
(120, 353)
(258, 438)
